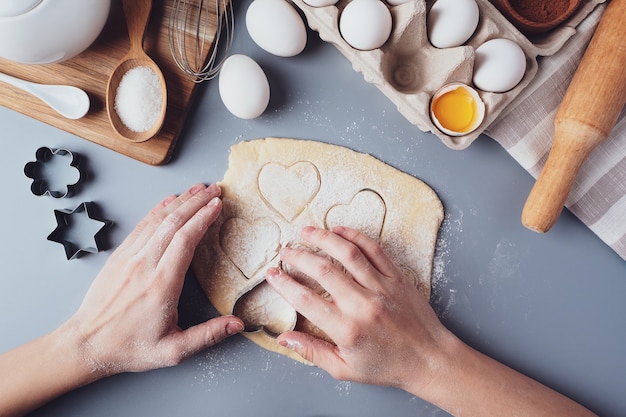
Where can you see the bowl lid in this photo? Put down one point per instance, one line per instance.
(12, 8)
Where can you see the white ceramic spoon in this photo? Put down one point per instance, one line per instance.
(68, 101)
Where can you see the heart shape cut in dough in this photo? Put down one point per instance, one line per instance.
(365, 212)
(262, 309)
(288, 189)
(248, 245)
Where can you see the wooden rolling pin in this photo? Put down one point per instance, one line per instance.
(586, 116)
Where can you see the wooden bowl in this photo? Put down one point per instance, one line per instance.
(529, 20)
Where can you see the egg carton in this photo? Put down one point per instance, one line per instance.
(409, 70)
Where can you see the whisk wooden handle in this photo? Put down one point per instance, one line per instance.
(586, 116)
(137, 14)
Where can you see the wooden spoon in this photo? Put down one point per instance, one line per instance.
(586, 116)
(137, 14)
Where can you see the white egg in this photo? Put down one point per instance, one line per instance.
(397, 2)
(365, 24)
(243, 87)
(276, 27)
(320, 3)
(452, 22)
(499, 65)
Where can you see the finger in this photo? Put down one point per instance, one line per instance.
(146, 228)
(370, 248)
(346, 252)
(175, 220)
(178, 255)
(183, 344)
(140, 228)
(311, 305)
(213, 189)
(321, 269)
(317, 351)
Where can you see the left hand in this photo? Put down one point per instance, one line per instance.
(128, 319)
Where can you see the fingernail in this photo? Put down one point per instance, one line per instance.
(214, 187)
(287, 343)
(215, 201)
(234, 327)
(307, 230)
(272, 272)
(196, 189)
(168, 200)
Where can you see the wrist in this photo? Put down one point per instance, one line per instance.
(435, 376)
(41, 370)
(466, 382)
(78, 355)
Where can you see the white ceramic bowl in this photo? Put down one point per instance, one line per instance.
(47, 31)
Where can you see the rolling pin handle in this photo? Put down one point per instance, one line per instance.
(547, 197)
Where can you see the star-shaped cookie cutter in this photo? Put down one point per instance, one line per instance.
(35, 171)
(66, 221)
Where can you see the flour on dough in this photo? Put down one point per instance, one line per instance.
(271, 190)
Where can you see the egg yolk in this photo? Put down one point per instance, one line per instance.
(456, 110)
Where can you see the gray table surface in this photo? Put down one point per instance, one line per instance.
(548, 305)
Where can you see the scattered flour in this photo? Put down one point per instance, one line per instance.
(503, 271)
(443, 297)
(343, 388)
(218, 365)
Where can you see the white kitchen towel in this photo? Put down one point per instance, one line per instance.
(525, 129)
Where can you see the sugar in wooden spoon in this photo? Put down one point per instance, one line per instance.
(144, 80)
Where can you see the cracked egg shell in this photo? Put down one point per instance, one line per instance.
(457, 109)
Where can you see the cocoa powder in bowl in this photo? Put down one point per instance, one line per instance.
(540, 10)
(536, 16)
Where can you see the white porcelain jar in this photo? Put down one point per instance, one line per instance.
(47, 31)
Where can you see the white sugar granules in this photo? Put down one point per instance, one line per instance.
(138, 99)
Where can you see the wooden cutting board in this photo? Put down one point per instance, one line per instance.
(90, 71)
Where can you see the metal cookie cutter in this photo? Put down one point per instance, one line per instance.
(70, 230)
(37, 171)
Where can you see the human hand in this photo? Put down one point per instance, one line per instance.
(384, 330)
(128, 319)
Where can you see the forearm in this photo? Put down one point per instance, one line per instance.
(472, 384)
(41, 370)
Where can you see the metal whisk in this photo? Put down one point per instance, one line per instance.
(195, 28)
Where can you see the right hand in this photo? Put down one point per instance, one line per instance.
(385, 331)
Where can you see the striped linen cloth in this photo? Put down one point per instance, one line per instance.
(525, 130)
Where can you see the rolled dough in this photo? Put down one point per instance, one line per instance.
(274, 187)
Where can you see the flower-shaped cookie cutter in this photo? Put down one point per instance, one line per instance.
(36, 170)
(69, 223)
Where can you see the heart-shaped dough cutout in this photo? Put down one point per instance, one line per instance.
(288, 189)
(262, 309)
(250, 246)
(365, 212)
